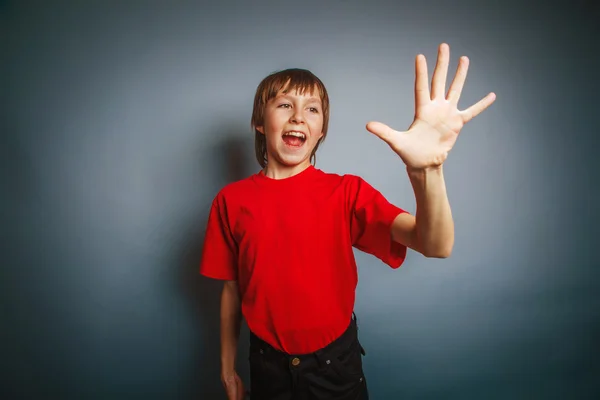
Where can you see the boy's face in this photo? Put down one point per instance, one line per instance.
(293, 124)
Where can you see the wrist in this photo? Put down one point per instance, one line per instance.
(427, 182)
(228, 377)
(424, 171)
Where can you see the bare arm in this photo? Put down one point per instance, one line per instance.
(424, 148)
(231, 318)
(431, 232)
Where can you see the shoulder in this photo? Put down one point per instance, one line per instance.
(350, 182)
(352, 187)
(340, 179)
(239, 188)
(235, 193)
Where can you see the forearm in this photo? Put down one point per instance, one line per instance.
(230, 325)
(434, 230)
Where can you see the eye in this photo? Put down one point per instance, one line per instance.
(284, 105)
(314, 110)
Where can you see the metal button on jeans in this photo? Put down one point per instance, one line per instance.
(295, 361)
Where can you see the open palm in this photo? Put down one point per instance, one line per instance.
(438, 121)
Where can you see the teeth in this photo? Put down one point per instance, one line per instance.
(296, 134)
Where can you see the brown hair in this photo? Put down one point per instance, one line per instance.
(286, 81)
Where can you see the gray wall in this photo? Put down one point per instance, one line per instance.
(120, 124)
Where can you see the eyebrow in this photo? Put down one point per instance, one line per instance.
(312, 99)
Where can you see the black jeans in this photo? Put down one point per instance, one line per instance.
(333, 372)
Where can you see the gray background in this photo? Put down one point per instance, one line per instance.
(121, 122)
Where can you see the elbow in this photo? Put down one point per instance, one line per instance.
(438, 252)
(435, 247)
(441, 254)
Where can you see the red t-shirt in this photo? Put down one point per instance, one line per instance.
(288, 243)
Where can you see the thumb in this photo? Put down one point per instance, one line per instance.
(381, 130)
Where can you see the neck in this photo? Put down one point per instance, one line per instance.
(278, 171)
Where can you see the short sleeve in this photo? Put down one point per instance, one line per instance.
(219, 253)
(371, 220)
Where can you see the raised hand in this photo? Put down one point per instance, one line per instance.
(438, 120)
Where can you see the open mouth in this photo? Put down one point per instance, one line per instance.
(294, 138)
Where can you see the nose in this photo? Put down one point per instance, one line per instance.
(297, 116)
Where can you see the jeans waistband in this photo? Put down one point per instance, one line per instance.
(342, 343)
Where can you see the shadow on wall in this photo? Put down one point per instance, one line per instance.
(234, 158)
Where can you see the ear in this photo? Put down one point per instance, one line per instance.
(261, 129)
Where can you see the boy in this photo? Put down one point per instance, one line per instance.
(282, 238)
